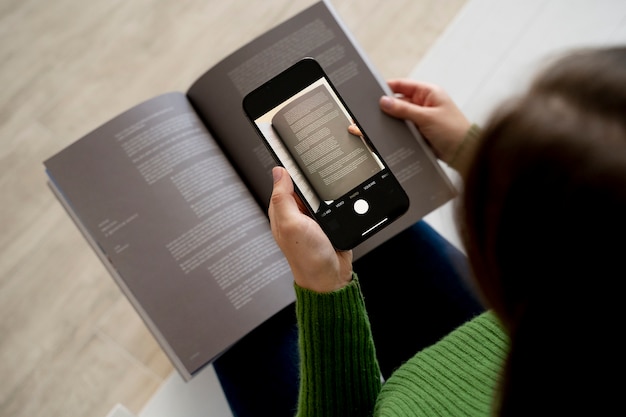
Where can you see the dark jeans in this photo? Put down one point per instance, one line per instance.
(416, 291)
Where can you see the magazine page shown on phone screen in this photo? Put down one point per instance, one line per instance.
(340, 176)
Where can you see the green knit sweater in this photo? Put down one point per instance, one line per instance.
(340, 376)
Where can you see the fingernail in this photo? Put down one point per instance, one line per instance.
(386, 102)
(277, 173)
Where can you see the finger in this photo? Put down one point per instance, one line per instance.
(284, 198)
(282, 201)
(403, 109)
(354, 129)
(409, 88)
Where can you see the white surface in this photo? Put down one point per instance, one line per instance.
(493, 48)
(120, 411)
(200, 397)
(490, 50)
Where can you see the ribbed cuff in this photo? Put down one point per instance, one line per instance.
(463, 155)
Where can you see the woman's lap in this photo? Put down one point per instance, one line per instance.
(259, 375)
(416, 291)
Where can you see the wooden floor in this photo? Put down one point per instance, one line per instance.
(70, 343)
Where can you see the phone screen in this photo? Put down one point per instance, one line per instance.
(309, 135)
(343, 181)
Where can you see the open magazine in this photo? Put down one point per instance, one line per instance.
(173, 193)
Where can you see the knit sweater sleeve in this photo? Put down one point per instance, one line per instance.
(456, 376)
(464, 153)
(339, 372)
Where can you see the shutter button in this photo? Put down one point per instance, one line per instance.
(361, 206)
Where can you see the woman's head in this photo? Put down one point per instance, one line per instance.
(543, 214)
(548, 179)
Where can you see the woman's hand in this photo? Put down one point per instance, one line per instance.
(434, 113)
(315, 263)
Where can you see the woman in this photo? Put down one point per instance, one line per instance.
(542, 216)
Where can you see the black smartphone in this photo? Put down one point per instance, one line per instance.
(342, 179)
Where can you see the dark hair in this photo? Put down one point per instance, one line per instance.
(543, 218)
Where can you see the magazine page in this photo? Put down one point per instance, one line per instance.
(188, 244)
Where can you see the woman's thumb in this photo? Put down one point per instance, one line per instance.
(277, 173)
(283, 187)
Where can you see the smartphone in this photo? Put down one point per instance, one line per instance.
(340, 177)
